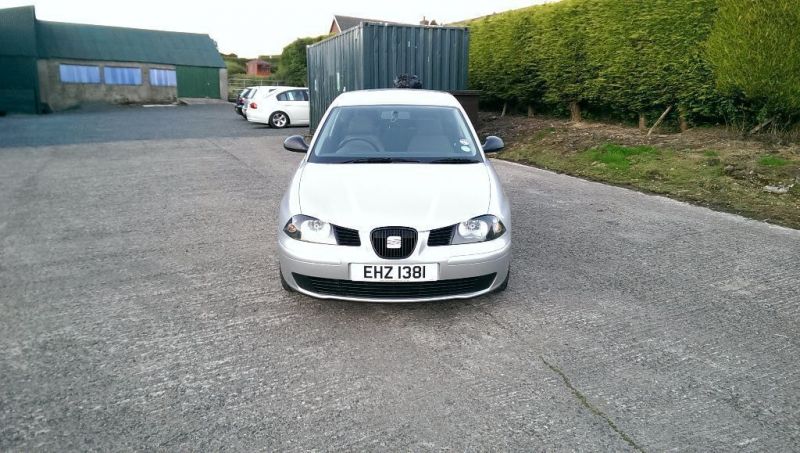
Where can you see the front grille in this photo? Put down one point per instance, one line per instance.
(388, 290)
(408, 238)
(346, 236)
(441, 236)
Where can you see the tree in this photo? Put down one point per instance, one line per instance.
(293, 69)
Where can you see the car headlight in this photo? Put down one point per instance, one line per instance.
(309, 229)
(479, 229)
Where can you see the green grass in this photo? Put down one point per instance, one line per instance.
(618, 157)
(727, 179)
(772, 161)
(543, 133)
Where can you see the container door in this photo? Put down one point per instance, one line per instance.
(197, 82)
(18, 80)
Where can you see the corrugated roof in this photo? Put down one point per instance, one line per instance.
(98, 42)
(18, 32)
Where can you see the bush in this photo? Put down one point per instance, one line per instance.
(235, 67)
(705, 58)
(499, 63)
(649, 55)
(559, 50)
(234, 64)
(754, 49)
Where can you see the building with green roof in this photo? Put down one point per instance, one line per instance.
(49, 66)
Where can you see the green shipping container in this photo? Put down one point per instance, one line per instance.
(372, 55)
(197, 82)
(19, 80)
(18, 85)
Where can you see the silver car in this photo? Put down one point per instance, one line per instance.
(394, 201)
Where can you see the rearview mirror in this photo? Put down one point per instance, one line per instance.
(493, 144)
(296, 144)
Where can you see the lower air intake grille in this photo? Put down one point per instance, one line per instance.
(346, 236)
(404, 290)
(394, 242)
(441, 236)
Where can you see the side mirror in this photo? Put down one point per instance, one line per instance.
(493, 144)
(296, 144)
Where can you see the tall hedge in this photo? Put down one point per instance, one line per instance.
(755, 52)
(634, 58)
(501, 65)
(649, 55)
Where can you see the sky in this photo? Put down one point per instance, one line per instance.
(256, 27)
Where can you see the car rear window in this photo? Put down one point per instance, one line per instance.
(293, 95)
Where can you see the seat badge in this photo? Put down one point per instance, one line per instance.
(393, 242)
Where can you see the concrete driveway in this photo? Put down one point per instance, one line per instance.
(141, 310)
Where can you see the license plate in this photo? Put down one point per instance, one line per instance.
(394, 272)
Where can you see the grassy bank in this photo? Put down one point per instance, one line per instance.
(708, 167)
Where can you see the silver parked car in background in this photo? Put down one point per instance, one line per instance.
(394, 201)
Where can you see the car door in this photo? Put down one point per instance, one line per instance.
(283, 103)
(293, 102)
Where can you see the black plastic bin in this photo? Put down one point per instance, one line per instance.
(469, 100)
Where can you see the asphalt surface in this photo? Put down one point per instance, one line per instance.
(105, 123)
(141, 310)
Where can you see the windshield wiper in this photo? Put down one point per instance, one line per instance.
(454, 160)
(378, 160)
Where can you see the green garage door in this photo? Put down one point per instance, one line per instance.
(197, 82)
(18, 80)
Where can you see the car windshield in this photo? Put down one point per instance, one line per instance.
(395, 133)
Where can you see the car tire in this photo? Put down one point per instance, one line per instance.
(279, 120)
(503, 285)
(284, 284)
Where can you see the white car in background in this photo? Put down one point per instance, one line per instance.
(257, 92)
(241, 100)
(287, 106)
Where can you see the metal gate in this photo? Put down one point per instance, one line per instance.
(197, 82)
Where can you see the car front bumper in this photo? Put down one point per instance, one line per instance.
(485, 265)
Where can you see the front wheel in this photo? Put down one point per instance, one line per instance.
(279, 120)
